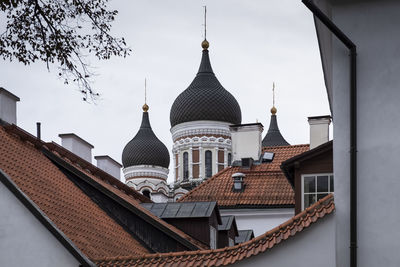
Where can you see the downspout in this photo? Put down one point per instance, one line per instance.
(353, 123)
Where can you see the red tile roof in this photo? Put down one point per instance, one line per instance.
(265, 184)
(72, 211)
(230, 255)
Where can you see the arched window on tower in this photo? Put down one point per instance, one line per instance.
(185, 166)
(229, 159)
(146, 193)
(208, 164)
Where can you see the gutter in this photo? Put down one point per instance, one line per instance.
(353, 123)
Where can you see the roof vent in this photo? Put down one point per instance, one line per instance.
(109, 165)
(238, 181)
(8, 106)
(247, 163)
(77, 145)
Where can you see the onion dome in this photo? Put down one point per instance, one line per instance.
(205, 98)
(145, 148)
(274, 136)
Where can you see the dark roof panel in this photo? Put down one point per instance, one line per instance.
(226, 223)
(244, 235)
(181, 210)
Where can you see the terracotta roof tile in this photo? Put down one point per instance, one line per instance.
(230, 255)
(74, 213)
(89, 227)
(265, 184)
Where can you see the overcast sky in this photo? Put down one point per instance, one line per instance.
(252, 44)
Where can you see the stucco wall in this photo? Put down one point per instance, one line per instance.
(24, 241)
(313, 247)
(373, 27)
(259, 220)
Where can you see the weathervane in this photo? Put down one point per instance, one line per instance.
(273, 109)
(205, 43)
(145, 106)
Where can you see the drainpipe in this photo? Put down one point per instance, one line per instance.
(353, 123)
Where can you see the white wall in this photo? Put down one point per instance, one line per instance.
(313, 247)
(24, 241)
(259, 220)
(373, 27)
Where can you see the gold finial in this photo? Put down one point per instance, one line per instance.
(273, 109)
(205, 44)
(145, 106)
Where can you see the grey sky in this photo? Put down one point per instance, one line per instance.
(252, 44)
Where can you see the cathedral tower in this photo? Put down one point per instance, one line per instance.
(200, 118)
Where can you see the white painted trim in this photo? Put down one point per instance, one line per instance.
(139, 171)
(200, 128)
(315, 174)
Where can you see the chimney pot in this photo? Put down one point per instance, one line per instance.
(246, 140)
(109, 165)
(8, 106)
(238, 181)
(77, 145)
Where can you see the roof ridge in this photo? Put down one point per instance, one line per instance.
(143, 210)
(280, 147)
(275, 236)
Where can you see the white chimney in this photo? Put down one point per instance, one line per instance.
(246, 141)
(109, 165)
(77, 145)
(319, 130)
(8, 106)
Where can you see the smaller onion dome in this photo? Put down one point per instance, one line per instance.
(145, 148)
(274, 136)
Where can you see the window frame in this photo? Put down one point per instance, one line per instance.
(315, 175)
(205, 164)
(185, 166)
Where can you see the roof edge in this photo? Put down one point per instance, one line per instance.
(120, 200)
(284, 231)
(45, 221)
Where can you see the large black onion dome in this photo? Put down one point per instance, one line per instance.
(205, 99)
(145, 148)
(274, 136)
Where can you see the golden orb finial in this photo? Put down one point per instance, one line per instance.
(145, 107)
(273, 110)
(205, 44)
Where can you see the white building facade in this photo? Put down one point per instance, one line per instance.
(373, 27)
